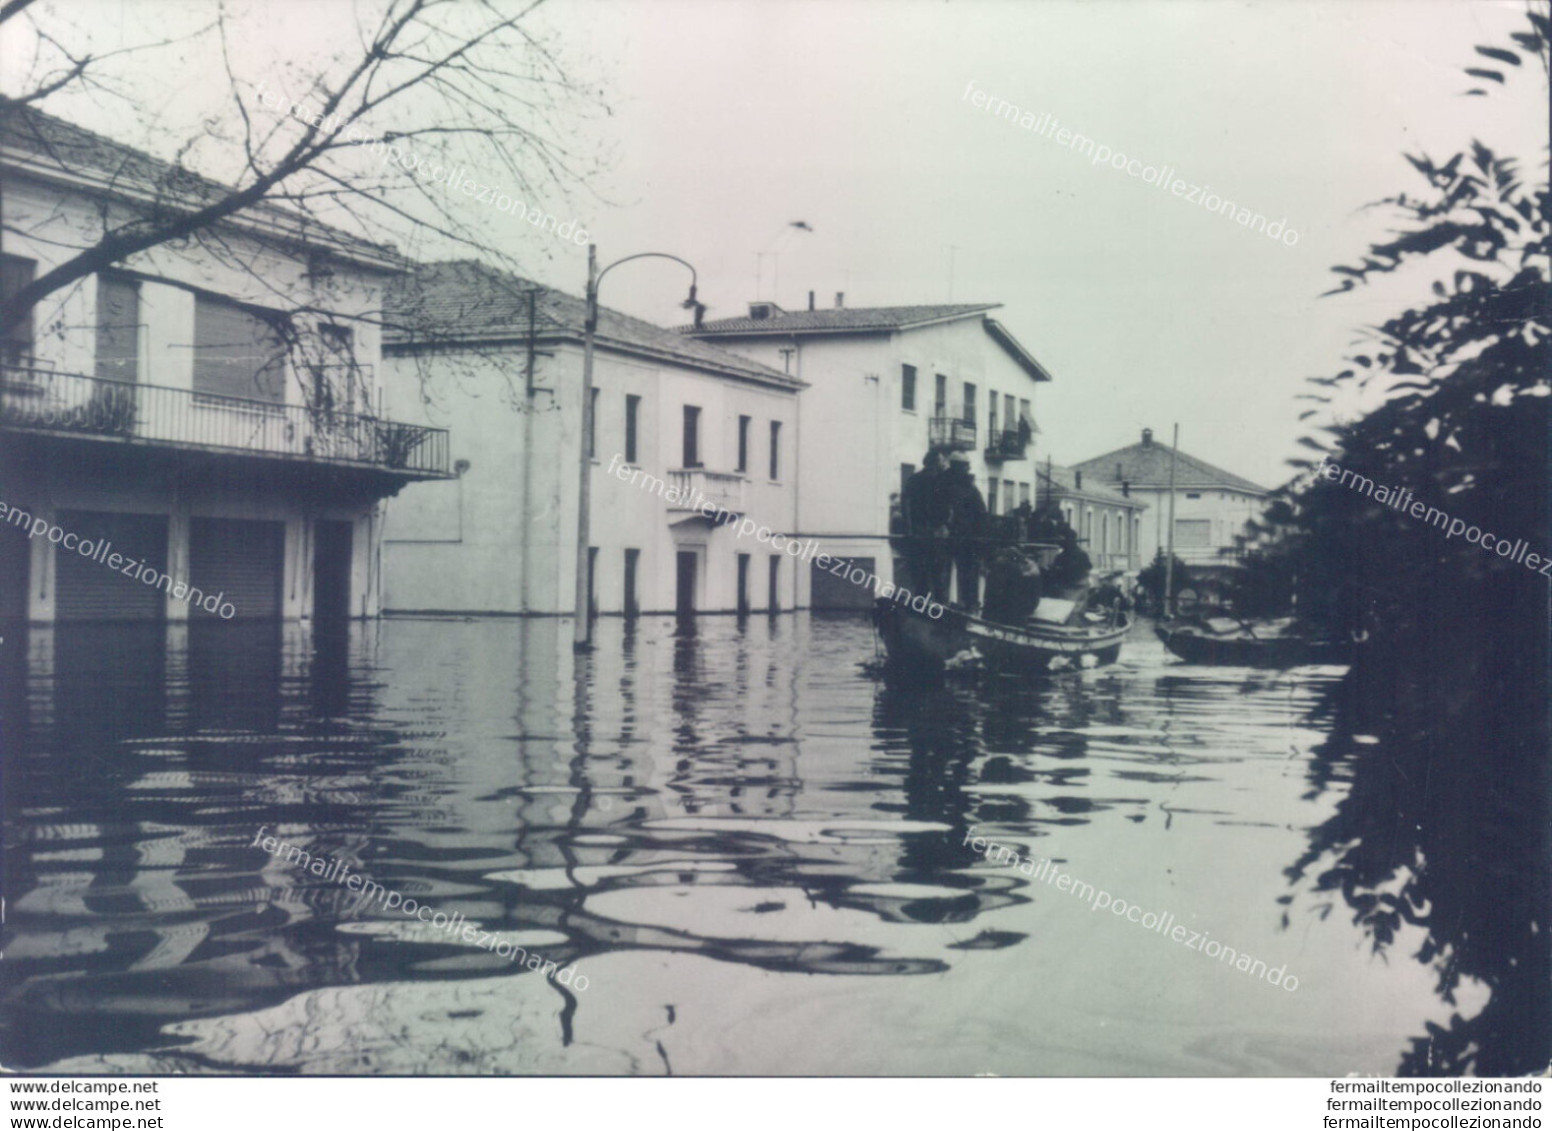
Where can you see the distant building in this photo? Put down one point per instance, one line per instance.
(1108, 521)
(1211, 505)
(676, 422)
(193, 433)
(884, 383)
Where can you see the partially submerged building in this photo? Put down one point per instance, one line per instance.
(676, 424)
(206, 411)
(882, 384)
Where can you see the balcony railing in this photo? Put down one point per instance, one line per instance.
(719, 488)
(952, 432)
(70, 403)
(1006, 445)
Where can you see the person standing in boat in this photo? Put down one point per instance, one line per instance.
(924, 508)
(1071, 568)
(966, 529)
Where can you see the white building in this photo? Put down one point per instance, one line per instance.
(1211, 505)
(1108, 521)
(499, 359)
(204, 411)
(884, 383)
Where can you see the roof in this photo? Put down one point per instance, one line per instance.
(1065, 480)
(54, 145)
(1146, 464)
(463, 302)
(868, 320)
(844, 320)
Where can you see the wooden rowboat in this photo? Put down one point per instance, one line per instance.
(1267, 644)
(921, 644)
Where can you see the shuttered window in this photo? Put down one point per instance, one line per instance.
(16, 273)
(1193, 533)
(118, 328)
(236, 353)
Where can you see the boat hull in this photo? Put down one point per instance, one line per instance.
(1237, 651)
(918, 643)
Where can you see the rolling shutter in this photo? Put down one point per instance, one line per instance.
(240, 562)
(236, 354)
(14, 554)
(92, 590)
(832, 592)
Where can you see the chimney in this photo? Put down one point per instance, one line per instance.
(1147, 437)
(811, 300)
(840, 299)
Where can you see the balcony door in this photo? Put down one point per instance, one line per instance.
(112, 405)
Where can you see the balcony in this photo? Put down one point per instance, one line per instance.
(952, 432)
(71, 404)
(719, 488)
(1006, 445)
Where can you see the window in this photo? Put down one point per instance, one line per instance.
(1104, 533)
(632, 559)
(1193, 533)
(991, 417)
(773, 601)
(632, 415)
(692, 435)
(743, 584)
(940, 396)
(118, 328)
(991, 496)
(969, 403)
(1010, 422)
(1193, 494)
(237, 353)
(1007, 495)
(908, 387)
(743, 442)
(16, 273)
(592, 424)
(775, 449)
(1024, 412)
(1024, 494)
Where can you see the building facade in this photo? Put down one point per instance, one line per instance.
(882, 384)
(1108, 521)
(1211, 505)
(195, 432)
(686, 439)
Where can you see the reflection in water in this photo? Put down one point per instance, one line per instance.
(757, 856)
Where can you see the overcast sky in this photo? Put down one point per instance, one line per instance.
(730, 119)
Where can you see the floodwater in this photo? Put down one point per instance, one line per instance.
(759, 858)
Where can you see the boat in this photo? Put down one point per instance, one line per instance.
(1243, 643)
(1060, 636)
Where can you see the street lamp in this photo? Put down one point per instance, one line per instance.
(583, 629)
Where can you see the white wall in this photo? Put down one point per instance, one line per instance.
(502, 549)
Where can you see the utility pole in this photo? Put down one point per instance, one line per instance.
(582, 629)
(1169, 559)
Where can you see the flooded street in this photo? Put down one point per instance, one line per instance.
(759, 857)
